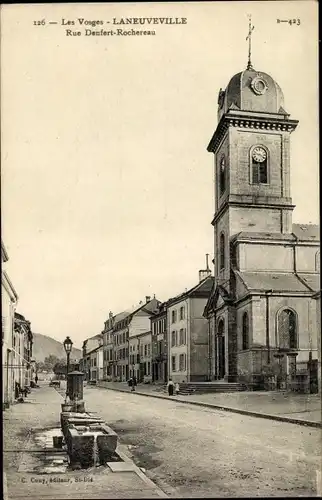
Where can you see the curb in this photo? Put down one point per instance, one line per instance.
(279, 418)
(138, 471)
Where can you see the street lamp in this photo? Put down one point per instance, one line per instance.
(68, 344)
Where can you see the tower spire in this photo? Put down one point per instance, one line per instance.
(249, 38)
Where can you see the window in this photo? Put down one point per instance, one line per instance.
(317, 261)
(149, 349)
(145, 350)
(149, 368)
(181, 312)
(245, 330)
(182, 336)
(287, 329)
(259, 165)
(222, 175)
(173, 363)
(173, 338)
(174, 316)
(182, 362)
(221, 328)
(222, 251)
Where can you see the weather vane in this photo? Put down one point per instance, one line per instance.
(249, 38)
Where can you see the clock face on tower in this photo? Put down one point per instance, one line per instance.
(259, 154)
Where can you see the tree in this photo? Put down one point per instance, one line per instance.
(50, 362)
(60, 368)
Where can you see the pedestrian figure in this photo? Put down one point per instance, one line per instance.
(17, 390)
(177, 388)
(170, 387)
(134, 383)
(36, 379)
(130, 382)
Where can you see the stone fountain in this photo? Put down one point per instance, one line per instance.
(90, 441)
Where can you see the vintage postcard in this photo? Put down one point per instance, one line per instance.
(160, 250)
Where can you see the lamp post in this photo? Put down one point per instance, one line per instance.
(68, 344)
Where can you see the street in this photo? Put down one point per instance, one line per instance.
(193, 451)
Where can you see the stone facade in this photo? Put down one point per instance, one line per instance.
(159, 345)
(9, 299)
(188, 338)
(261, 311)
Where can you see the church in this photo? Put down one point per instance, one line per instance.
(262, 308)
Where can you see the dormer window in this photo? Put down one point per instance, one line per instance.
(259, 171)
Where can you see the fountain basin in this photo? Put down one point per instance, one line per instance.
(67, 418)
(91, 445)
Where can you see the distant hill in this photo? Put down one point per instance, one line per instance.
(43, 346)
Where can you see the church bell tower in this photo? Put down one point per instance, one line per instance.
(251, 147)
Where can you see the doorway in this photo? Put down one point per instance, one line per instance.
(221, 350)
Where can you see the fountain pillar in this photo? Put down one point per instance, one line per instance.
(75, 391)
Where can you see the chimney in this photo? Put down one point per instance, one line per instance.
(204, 273)
(147, 298)
(110, 320)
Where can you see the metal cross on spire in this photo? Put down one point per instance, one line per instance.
(249, 38)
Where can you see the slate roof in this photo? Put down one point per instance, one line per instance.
(313, 280)
(203, 288)
(302, 232)
(280, 282)
(263, 236)
(307, 231)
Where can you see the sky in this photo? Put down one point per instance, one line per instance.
(107, 186)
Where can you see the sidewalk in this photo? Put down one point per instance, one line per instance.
(302, 409)
(34, 470)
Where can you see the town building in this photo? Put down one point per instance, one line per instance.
(129, 326)
(261, 311)
(159, 345)
(188, 344)
(108, 346)
(317, 297)
(91, 363)
(22, 350)
(9, 299)
(143, 370)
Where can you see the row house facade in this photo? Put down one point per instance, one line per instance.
(188, 334)
(159, 340)
(127, 349)
(156, 341)
(91, 363)
(17, 341)
(9, 299)
(22, 350)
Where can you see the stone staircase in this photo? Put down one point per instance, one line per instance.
(209, 387)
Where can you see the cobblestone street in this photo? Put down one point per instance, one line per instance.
(194, 451)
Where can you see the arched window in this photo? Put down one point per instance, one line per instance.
(287, 329)
(222, 252)
(245, 331)
(222, 175)
(317, 261)
(259, 171)
(221, 327)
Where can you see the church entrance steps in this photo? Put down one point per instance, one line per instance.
(209, 387)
